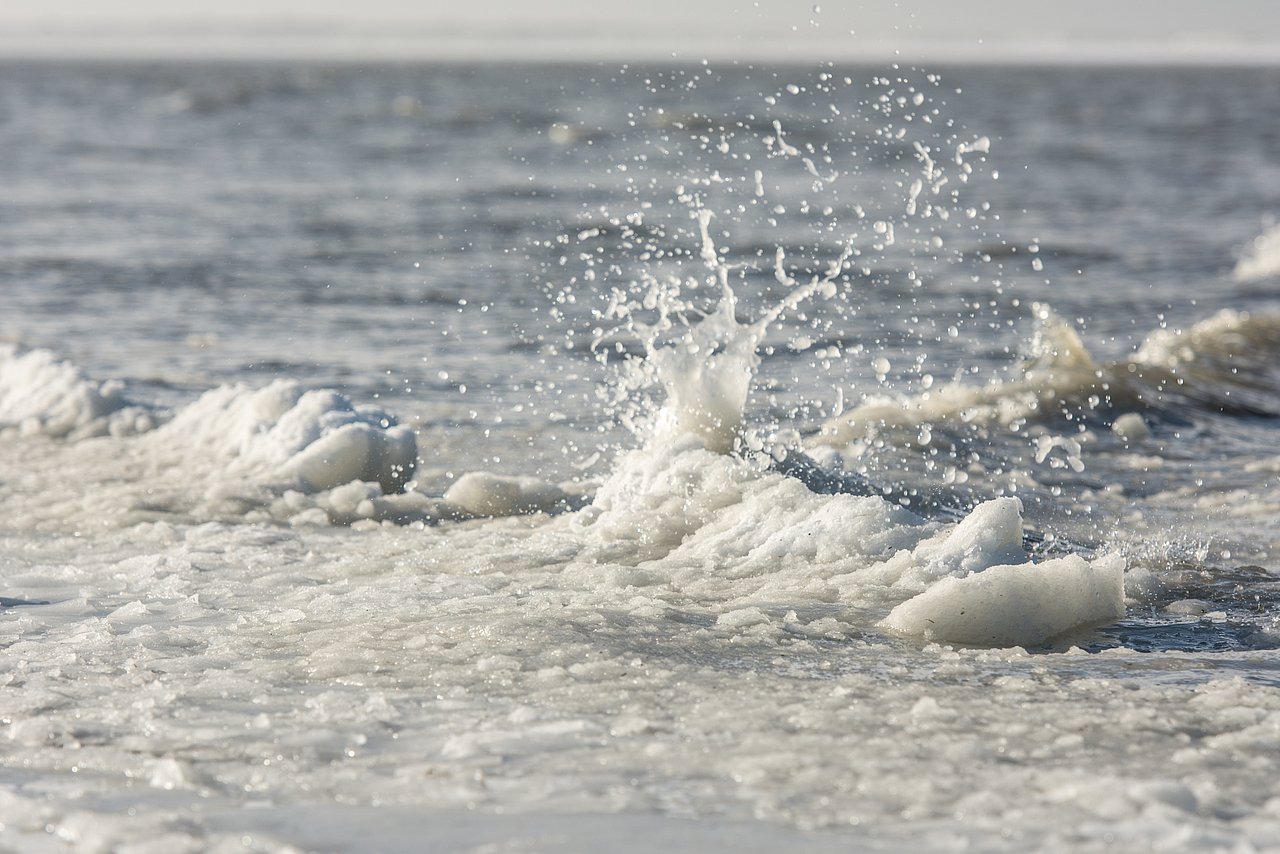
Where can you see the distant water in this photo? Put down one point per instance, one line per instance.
(599, 457)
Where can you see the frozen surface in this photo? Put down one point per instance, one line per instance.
(410, 680)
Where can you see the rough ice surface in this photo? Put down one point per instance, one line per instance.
(277, 452)
(707, 637)
(1059, 366)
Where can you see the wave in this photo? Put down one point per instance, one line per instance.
(1261, 260)
(1224, 364)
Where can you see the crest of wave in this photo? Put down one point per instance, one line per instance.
(1261, 259)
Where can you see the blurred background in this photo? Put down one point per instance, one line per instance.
(1231, 31)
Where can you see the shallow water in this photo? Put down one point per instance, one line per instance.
(560, 458)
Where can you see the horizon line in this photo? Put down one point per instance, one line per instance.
(196, 42)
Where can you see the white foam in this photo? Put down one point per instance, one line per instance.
(1226, 336)
(1261, 260)
(1204, 360)
(280, 434)
(742, 538)
(359, 502)
(308, 440)
(42, 394)
(735, 530)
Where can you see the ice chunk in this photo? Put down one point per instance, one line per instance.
(485, 494)
(742, 618)
(1015, 605)
(991, 534)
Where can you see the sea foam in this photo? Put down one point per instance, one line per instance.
(41, 394)
(310, 440)
(1261, 259)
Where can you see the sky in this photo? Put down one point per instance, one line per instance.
(998, 30)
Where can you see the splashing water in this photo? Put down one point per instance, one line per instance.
(697, 359)
(707, 373)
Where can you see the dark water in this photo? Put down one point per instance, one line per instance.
(249, 192)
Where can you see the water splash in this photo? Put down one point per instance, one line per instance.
(707, 373)
(783, 218)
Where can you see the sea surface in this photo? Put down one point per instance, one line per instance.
(483, 457)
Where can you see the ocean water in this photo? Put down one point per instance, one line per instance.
(594, 457)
